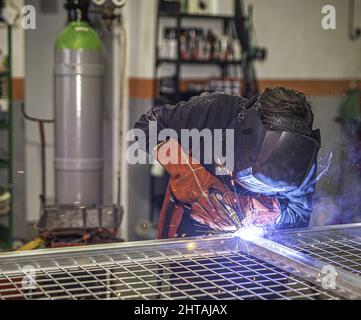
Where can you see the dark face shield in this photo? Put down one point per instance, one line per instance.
(271, 161)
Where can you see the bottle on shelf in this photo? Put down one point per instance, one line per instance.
(169, 45)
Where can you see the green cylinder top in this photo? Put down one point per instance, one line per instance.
(78, 35)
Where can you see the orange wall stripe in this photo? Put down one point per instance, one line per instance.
(143, 88)
(18, 89)
(315, 87)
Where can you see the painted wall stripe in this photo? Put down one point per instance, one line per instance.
(143, 88)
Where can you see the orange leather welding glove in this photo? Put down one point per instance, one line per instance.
(191, 183)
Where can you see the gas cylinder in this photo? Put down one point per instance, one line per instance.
(78, 78)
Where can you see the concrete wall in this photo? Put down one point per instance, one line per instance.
(299, 47)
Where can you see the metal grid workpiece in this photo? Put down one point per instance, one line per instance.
(210, 268)
(339, 246)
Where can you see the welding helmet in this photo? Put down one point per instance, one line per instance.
(275, 158)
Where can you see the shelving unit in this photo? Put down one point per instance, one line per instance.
(179, 17)
(6, 221)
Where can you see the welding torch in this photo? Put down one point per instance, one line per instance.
(246, 232)
(224, 209)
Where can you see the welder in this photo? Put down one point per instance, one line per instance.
(273, 176)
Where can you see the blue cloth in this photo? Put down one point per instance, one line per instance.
(296, 205)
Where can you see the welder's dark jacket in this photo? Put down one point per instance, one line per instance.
(217, 111)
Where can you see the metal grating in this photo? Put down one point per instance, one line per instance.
(201, 275)
(337, 245)
(211, 268)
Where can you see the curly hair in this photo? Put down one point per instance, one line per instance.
(286, 102)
